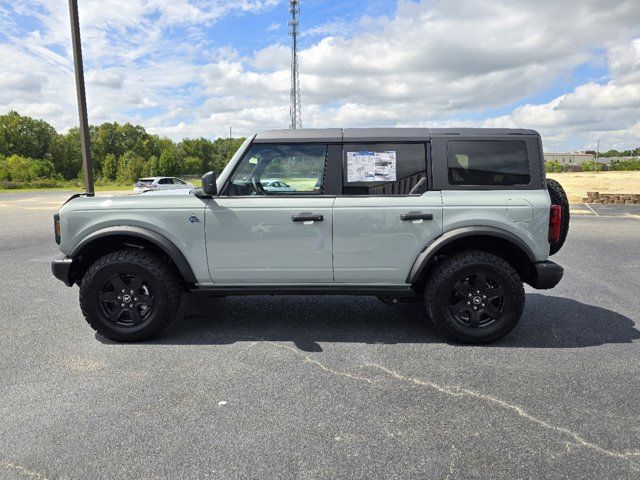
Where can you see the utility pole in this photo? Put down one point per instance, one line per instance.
(295, 109)
(87, 164)
(595, 164)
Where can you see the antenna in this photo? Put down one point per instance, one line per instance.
(295, 109)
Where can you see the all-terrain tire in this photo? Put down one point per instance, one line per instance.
(474, 297)
(130, 295)
(559, 197)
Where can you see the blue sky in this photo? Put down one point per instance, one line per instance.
(185, 68)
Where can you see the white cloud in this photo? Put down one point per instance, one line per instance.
(273, 57)
(106, 78)
(592, 111)
(22, 82)
(432, 63)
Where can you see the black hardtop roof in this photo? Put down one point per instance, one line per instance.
(335, 135)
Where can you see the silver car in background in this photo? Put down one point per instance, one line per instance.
(160, 183)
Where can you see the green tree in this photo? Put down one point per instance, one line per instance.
(200, 148)
(130, 167)
(33, 140)
(191, 165)
(4, 169)
(224, 148)
(592, 166)
(627, 164)
(554, 166)
(25, 136)
(110, 167)
(153, 166)
(169, 163)
(17, 168)
(66, 154)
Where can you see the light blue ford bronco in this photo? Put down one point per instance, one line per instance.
(458, 218)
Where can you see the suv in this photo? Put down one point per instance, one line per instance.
(459, 218)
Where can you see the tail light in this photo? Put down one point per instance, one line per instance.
(555, 219)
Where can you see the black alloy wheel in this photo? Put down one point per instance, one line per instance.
(126, 299)
(477, 300)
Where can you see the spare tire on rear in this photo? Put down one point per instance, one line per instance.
(559, 197)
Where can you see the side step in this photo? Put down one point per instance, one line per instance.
(376, 291)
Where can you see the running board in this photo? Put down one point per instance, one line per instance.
(223, 290)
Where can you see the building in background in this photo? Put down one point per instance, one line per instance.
(573, 158)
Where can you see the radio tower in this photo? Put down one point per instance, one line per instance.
(295, 109)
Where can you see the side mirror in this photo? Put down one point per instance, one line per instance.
(209, 184)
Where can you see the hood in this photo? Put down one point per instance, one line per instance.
(150, 199)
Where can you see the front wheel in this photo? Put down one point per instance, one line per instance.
(475, 297)
(129, 295)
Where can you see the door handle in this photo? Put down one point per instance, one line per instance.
(307, 218)
(416, 216)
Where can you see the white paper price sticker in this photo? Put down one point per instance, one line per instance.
(371, 166)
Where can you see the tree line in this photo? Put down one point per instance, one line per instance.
(33, 153)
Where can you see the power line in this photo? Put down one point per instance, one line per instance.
(295, 109)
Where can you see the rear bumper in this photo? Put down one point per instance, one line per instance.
(546, 275)
(60, 267)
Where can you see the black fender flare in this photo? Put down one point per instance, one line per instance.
(160, 241)
(452, 235)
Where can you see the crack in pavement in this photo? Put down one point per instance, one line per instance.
(307, 358)
(465, 392)
(22, 469)
(456, 392)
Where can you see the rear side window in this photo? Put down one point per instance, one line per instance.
(488, 162)
(384, 169)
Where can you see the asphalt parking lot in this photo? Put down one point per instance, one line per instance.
(322, 387)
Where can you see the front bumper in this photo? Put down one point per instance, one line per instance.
(546, 275)
(61, 268)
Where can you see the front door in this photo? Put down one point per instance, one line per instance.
(272, 222)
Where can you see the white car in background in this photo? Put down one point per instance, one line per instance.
(275, 185)
(160, 183)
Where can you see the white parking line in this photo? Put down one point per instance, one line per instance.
(594, 212)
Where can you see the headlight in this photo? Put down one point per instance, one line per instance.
(56, 227)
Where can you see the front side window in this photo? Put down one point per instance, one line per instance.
(280, 170)
(488, 162)
(384, 169)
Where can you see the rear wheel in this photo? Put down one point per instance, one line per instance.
(129, 295)
(475, 297)
(559, 197)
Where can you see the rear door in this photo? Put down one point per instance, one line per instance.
(386, 214)
(258, 235)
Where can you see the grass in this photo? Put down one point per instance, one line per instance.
(71, 187)
(577, 184)
(302, 184)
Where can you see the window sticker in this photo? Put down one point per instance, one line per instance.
(371, 166)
